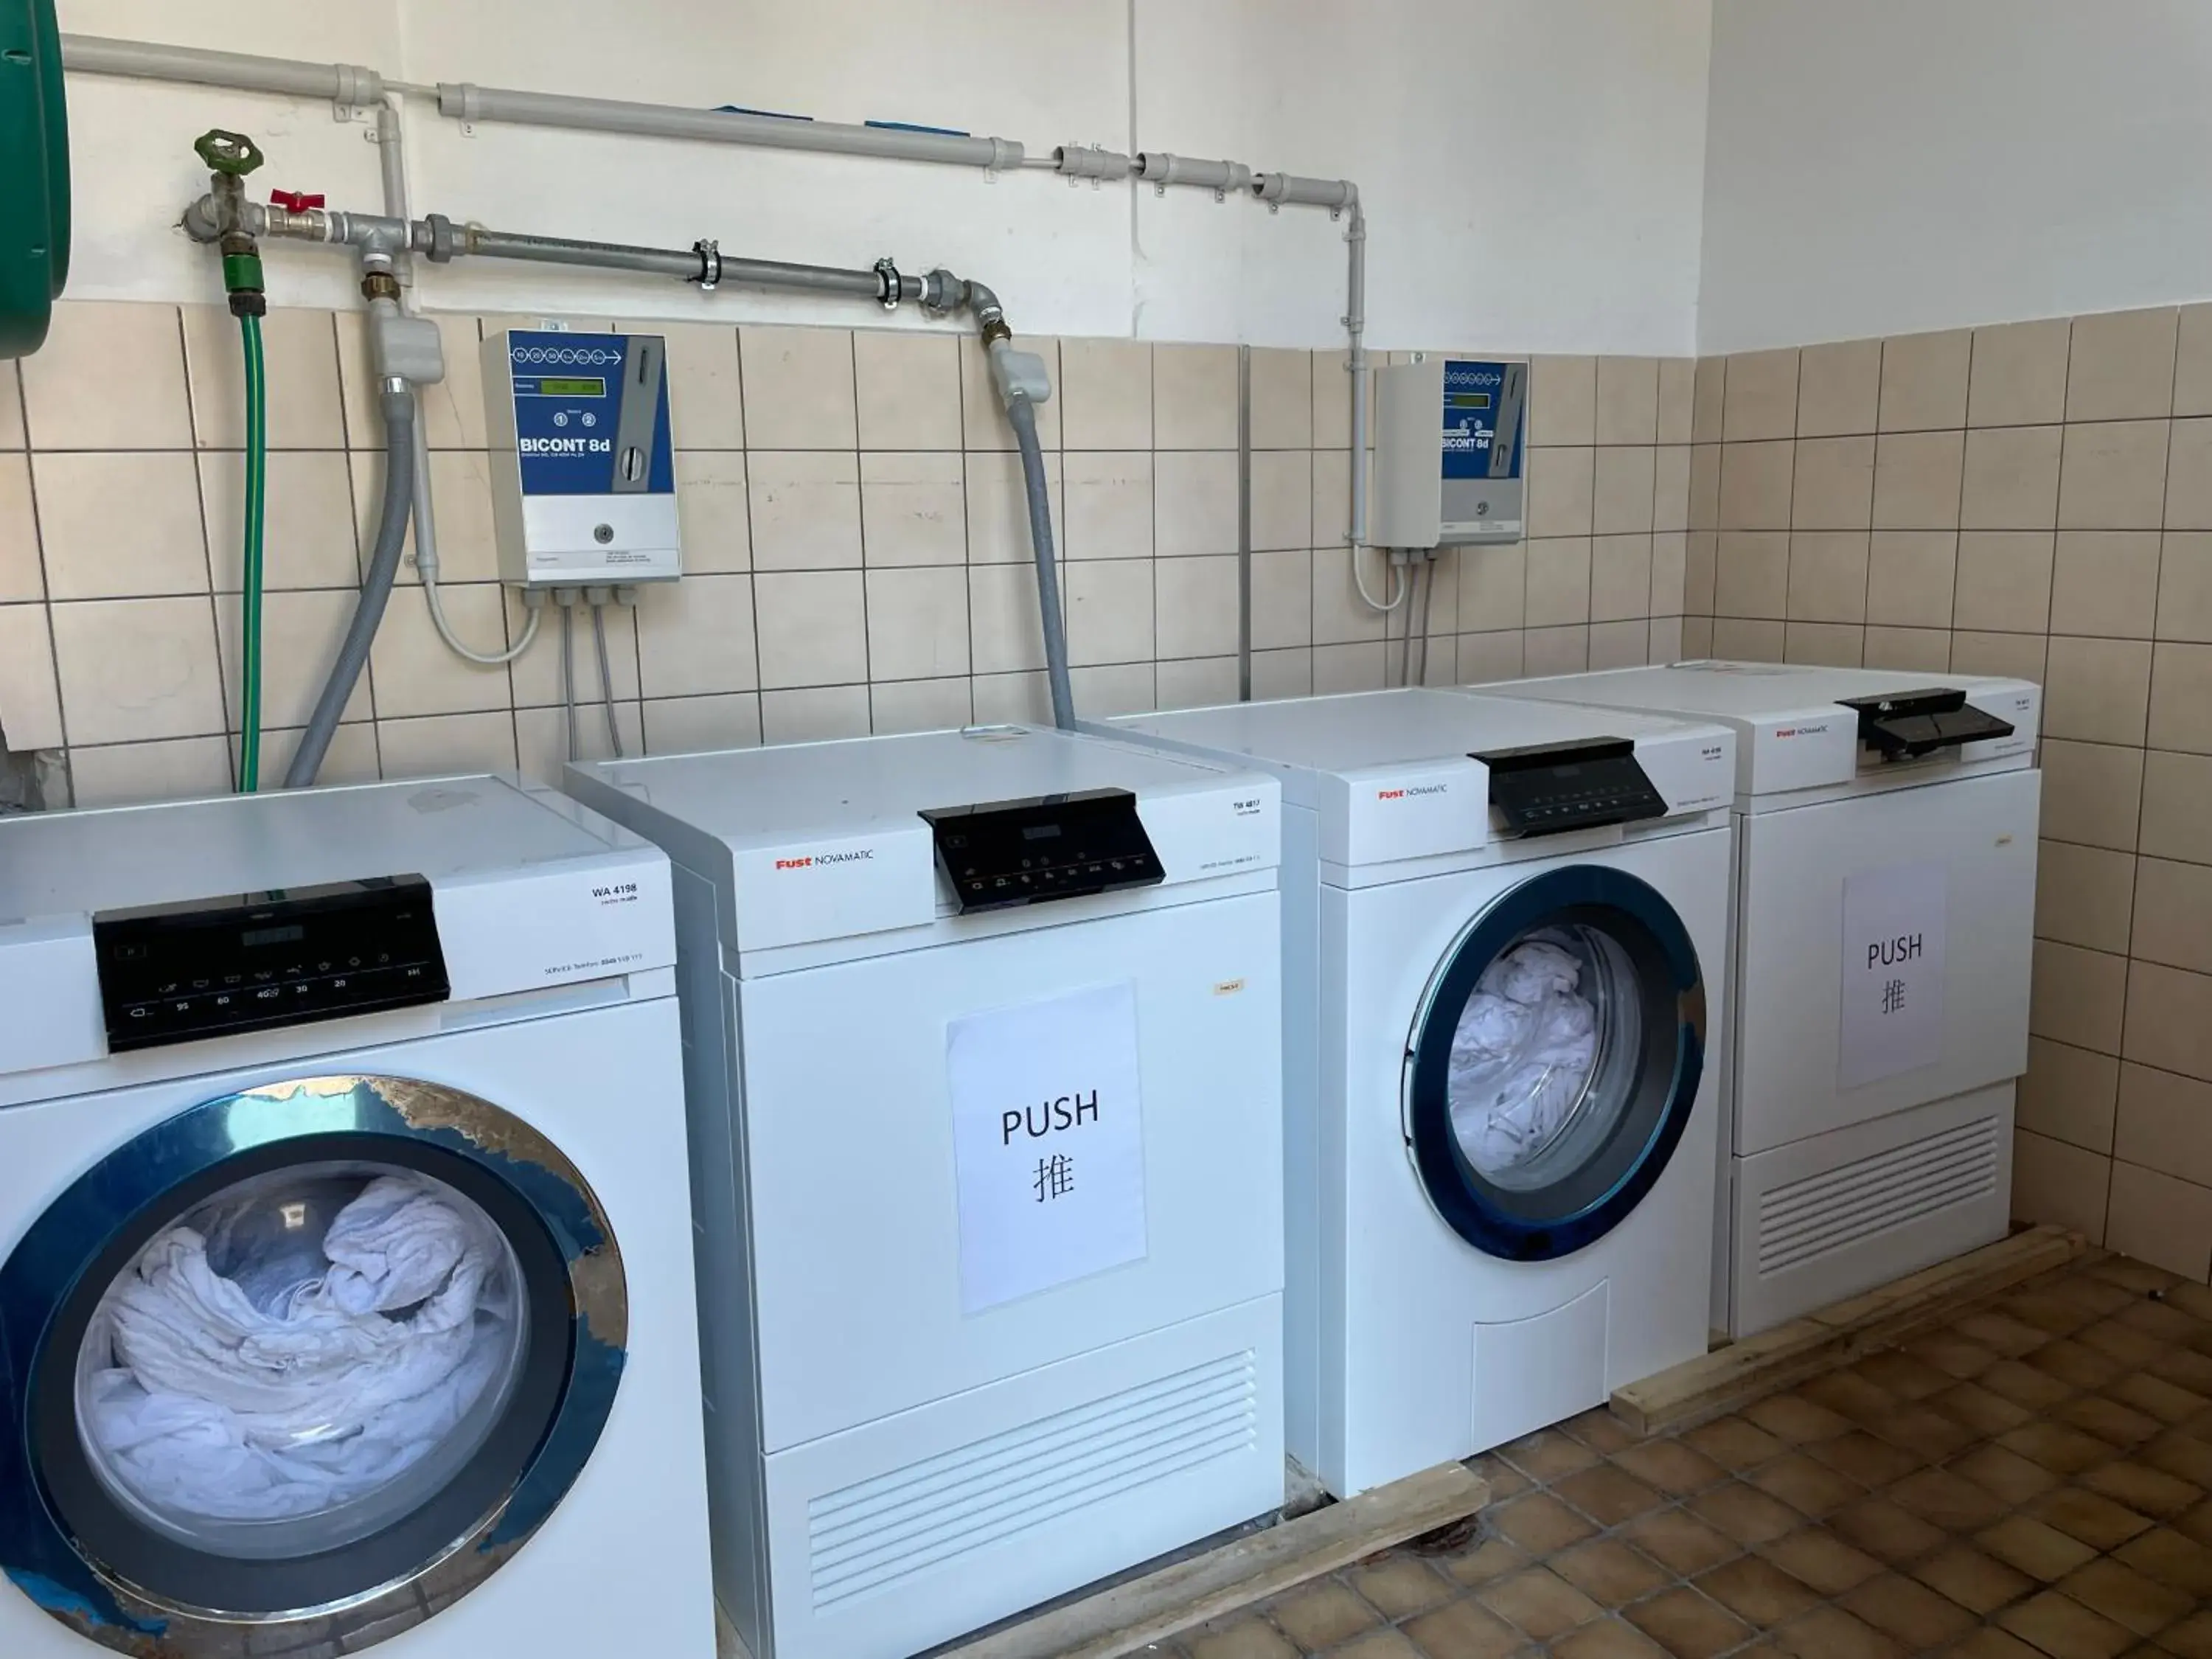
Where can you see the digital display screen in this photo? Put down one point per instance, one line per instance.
(1040, 831)
(1452, 400)
(272, 935)
(583, 388)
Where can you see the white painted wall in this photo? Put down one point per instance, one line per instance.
(1888, 166)
(1532, 172)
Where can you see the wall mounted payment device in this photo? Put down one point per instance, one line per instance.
(1449, 436)
(583, 464)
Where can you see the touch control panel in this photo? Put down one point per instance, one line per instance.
(1053, 847)
(1545, 788)
(1907, 724)
(247, 961)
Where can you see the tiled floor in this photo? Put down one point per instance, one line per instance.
(2034, 1480)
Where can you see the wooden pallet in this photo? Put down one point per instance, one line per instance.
(1836, 1335)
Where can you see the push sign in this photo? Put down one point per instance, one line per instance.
(1048, 1130)
(1892, 1011)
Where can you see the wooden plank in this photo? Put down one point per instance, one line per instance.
(1125, 1617)
(1834, 1336)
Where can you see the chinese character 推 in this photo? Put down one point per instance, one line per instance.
(1893, 996)
(1055, 1177)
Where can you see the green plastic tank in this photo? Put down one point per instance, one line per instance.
(35, 177)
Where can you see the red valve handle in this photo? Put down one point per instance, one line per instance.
(295, 201)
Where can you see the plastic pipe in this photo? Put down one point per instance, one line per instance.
(1159, 167)
(469, 102)
(256, 490)
(688, 264)
(606, 679)
(1022, 417)
(1244, 524)
(1355, 329)
(344, 84)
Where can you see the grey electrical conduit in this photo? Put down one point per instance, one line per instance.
(1022, 417)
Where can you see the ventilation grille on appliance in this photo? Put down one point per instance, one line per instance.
(1832, 1211)
(891, 1525)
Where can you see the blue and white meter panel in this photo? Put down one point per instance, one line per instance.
(1449, 437)
(583, 461)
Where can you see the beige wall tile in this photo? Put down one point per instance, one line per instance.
(2114, 477)
(2192, 369)
(812, 628)
(2098, 689)
(452, 409)
(1627, 400)
(1677, 399)
(133, 670)
(1670, 489)
(1669, 565)
(1697, 636)
(1705, 486)
(1348, 668)
(1194, 397)
(1282, 399)
(1828, 576)
(300, 373)
(908, 387)
(694, 725)
(2011, 479)
(1562, 484)
(1106, 394)
(714, 516)
(2091, 791)
(1005, 634)
(798, 388)
(11, 408)
(1439, 595)
(1624, 491)
(1755, 485)
(1700, 571)
(1287, 674)
(2006, 656)
(2054, 1183)
(2121, 366)
(706, 392)
(2069, 1094)
(983, 419)
(2080, 996)
(1708, 393)
(1195, 683)
(2165, 1122)
(1554, 650)
(914, 509)
(2175, 794)
(2003, 580)
(1332, 398)
(299, 637)
(351, 757)
(69, 384)
(1339, 615)
(1838, 388)
(1558, 582)
(1666, 645)
(919, 705)
(2019, 376)
(805, 509)
(2106, 582)
(1736, 639)
(460, 496)
(1619, 644)
(120, 525)
(1282, 599)
(815, 714)
(2181, 698)
(1002, 699)
(1834, 484)
(1109, 504)
(441, 746)
(1917, 480)
(1754, 574)
(21, 576)
(308, 519)
(1923, 381)
(537, 672)
(1493, 587)
(2084, 895)
(1910, 577)
(1826, 645)
(30, 702)
(413, 671)
(917, 623)
(2189, 476)
(2170, 1020)
(2174, 914)
(1194, 502)
(1282, 499)
(1620, 578)
(696, 638)
(1194, 608)
(1332, 497)
(998, 508)
(127, 774)
(2162, 1221)
(1562, 401)
(1486, 658)
(1761, 397)
(1110, 611)
(1921, 650)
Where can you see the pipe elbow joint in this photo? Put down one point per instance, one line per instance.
(203, 220)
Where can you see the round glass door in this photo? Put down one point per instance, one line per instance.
(328, 1350)
(1554, 1062)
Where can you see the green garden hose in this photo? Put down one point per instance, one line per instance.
(256, 474)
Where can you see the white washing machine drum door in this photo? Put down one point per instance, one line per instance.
(312, 1360)
(1554, 1062)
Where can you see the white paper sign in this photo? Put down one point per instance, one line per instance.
(1893, 1017)
(1048, 1131)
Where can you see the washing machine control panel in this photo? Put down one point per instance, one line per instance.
(1005, 853)
(247, 961)
(1544, 789)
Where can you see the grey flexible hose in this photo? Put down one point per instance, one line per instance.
(398, 408)
(606, 679)
(1024, 417)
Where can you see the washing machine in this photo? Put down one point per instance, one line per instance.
(983, 1045)
(1505, 950)
(1886, 911)
(345, 1259)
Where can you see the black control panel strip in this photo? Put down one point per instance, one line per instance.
(1908, 724)
(999, 854)
(1546, 789)
(248, 962)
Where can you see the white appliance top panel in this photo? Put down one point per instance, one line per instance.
(1793, 734)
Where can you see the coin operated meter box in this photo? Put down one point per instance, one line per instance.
(1450, 434)
(583, 465)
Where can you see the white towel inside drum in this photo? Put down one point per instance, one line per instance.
(1522, 1054)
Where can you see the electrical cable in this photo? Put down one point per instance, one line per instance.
(1428, 600)
(1360, 581)
(1405, 638)
(482, 659)
(569, 673)
(606, 679)
(257, 477)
